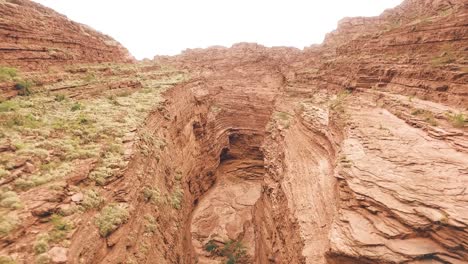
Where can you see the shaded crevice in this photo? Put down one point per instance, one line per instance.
(224, 212)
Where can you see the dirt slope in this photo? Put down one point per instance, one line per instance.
(353, 151)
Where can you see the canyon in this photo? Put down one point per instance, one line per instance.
(351, 151)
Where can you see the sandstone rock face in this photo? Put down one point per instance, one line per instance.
(353, 151)
(33, 37)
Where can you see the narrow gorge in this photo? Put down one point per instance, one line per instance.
(352, 151)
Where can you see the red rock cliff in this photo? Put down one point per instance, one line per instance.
(33, 36)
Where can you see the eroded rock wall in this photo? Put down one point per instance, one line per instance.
(353, 151)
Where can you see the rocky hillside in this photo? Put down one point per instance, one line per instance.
(353, 151)
(35, 37)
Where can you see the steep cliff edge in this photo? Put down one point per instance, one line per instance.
(353, 151)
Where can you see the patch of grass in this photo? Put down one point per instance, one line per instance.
(8, 106)
(10, 199)
(8, 223)
(233, 250)
(111, 217)
(7, 73)
(41, 178)
(61, 228)
(150, 225)
(92, 199)
(457, 120)
(111, 163)
(427, 116)
(89, 77)
(176, 198)
(55, 132)
(76, 107)
(60, 97)
(4, 173)
(42, 244)
(152, 195)
(150, 143)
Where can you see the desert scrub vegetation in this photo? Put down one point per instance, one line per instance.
(9, 74)
(41, 245)
(149, 144)
(111, 217)
(233, 250)
(176, 198)
(427, 116)
(23, 87)
(150, 225)
(61, 228)
(50, 134)
(10, 199)
(56, 131)
(57, 235)
(457, 120)
(152, 195)
(91, 200)
(8, 222)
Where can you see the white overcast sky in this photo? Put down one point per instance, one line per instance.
(150, 27)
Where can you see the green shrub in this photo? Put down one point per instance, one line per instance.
(8, 106)
(10, 200)
(23, 87)
(211, 246)
(111, 217)
(59, 97)
(152, 195)
(176, 198)
(7, 224)
(233, 250)
(76, 107)
(61, 228)
(18, 120)
(42, 244)
(92, 199)
(150, 226)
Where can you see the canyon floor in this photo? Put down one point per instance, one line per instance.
(352, 151)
